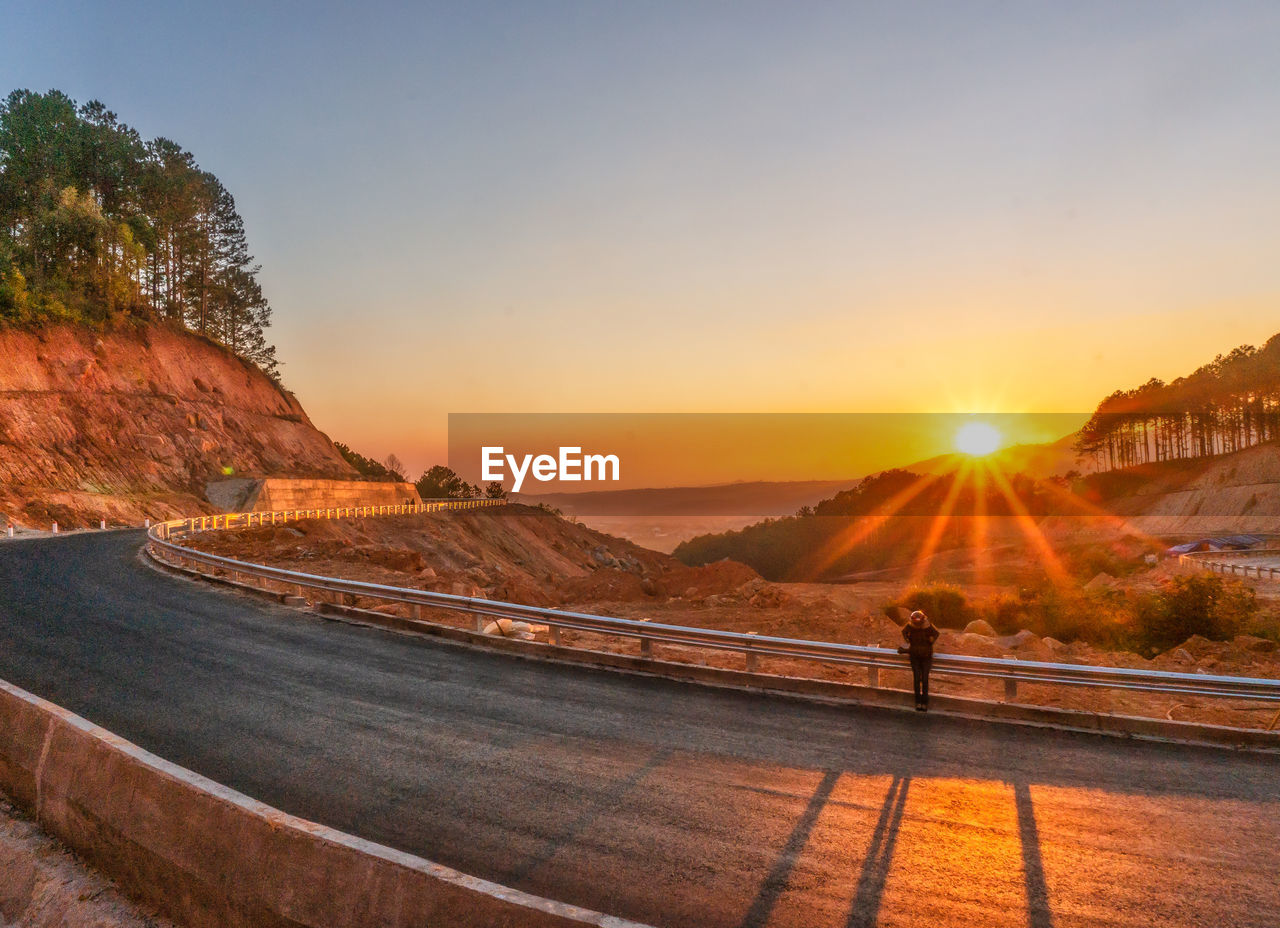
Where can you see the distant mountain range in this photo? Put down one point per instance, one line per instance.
(758, 498)
(1039, 461)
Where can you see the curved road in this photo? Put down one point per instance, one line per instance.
(655, 800)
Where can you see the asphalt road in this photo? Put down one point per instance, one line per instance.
(659, 801)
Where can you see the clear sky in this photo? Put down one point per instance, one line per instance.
(682, 206)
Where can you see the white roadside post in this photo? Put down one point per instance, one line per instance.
(102, 524)
(753, 663)
(55, 528)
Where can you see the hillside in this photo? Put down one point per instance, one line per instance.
(1038, 461)
(1237, 492)
(515, 553)
(133, 422)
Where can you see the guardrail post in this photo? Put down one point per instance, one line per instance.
(416, 611)
(479, 622)
(873, 675)
(646, 645)
(1010, 689)
(553, 634)
(753, 659)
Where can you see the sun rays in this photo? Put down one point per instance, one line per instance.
(975, 506)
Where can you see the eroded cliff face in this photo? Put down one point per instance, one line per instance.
(133, 423)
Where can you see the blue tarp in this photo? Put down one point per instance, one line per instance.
(1219, 543)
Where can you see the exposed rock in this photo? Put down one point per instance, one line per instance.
(1198, 646)
(601, 556)
(980, 627)
(1101, 582)
(1255, 644)
(506, 628)
(952, 642)
(1022, 639)
(73, 404)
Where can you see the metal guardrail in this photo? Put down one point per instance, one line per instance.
(1220, 562)
(162, 543)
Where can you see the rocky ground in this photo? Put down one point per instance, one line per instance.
(43, 885)
(524, 555)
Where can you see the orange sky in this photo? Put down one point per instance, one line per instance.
(944, 368)
(645, 207)
(660, 450)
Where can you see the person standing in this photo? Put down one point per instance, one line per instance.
(920, 634)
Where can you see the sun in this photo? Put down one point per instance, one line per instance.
(978, 439)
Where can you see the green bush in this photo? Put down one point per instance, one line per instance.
(945, 605)
(1006, 614)
(1055, 613)
(1201, 604)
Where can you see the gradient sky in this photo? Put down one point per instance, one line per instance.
(665, 207)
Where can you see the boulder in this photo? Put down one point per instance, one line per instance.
(1254, 643)
(980, 627)
(976, 646)
(1023, 639)
(506, 628)
(1199, 646)
(1101, 582)
(601, 557)
(770, 597)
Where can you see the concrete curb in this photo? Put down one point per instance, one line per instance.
(1123, 726)
(209, 856)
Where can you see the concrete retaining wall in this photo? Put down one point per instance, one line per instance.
(209, 856)
(253, 495)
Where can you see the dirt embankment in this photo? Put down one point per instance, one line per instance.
(1237, 492)
(517, 553)
(528, 556)
(44, 885)
(131, 423)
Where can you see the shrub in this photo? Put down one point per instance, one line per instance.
(1055, 613)
(1201, 604)
(945, 605)
(1006, 614)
